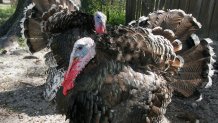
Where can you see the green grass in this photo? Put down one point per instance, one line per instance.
(21, 42)
(6, 10)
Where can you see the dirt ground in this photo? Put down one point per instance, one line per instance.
(188, 110)
(22, 79)
(21, 86)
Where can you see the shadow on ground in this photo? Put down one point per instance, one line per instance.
(28, 99)
(205, 111)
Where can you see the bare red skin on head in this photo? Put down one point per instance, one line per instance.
(100, 29)
(69, 77)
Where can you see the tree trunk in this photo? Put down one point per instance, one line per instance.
(10, 30)
(1, 1)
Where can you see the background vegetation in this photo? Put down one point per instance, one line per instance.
(114, 9)
(6, 10)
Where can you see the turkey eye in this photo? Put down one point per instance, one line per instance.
(98, 17)
(79, 48)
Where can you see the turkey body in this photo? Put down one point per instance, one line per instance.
(113, 92)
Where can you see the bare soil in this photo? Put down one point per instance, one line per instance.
(22, 78)
(183, 110)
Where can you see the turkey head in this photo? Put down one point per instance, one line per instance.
(83, 52)
(100, 22)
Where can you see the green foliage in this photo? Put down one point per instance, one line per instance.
(6, 11)
(115, 10)
(115, 17)
(1, 50)
(21, 42)
(91, 6)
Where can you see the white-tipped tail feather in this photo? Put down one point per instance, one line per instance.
(211, 62)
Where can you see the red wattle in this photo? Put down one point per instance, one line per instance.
(69, 77)
(100, 29)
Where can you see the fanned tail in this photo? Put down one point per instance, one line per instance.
(182, 24)
(31, 29)
(31, 24)
(45, 5)
(197, 70)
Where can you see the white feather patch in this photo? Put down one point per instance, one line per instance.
(132, 22)
(210, 64)
(142, 18)
(195, 38)
(53, 82)
(76, 5)
(200, 98)
(178, 10)
(209, 83)
(196, 22)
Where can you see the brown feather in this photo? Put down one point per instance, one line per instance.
(33, 28)
(182, 24)
(197, 70)
(137, 46)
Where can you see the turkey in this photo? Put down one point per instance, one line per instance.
(44, 19)
(131, 74)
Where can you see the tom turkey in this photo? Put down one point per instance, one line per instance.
(131, 75)
(44, 19)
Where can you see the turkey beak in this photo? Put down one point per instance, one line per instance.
(103, 25)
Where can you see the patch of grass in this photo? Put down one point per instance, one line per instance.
(1, 49)
(6, 10)
(21, 42)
